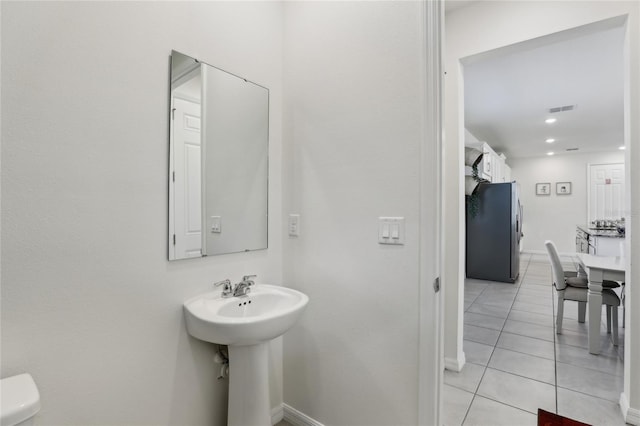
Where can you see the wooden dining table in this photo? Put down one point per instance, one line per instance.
(598, 269)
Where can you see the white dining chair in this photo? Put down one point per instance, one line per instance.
(576, 289)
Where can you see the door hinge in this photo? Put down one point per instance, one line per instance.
(174, 239)
(173, 176)
(436, 284)
(173, 113)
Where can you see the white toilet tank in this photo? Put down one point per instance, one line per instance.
(19, 400)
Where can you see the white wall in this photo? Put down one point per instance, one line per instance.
(352, 154)
(488, 25)
(554, 217)
(90, 305)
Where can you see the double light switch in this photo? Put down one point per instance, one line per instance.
(391, 230)
(216, 224)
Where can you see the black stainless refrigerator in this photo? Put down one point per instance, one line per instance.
(494, 232)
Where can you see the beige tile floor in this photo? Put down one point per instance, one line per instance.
(516, 363)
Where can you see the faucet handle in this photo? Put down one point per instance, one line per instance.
(227, 288)
(226, 283)
(249, 279)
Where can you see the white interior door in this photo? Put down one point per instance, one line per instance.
(606, 191)
(186, 179)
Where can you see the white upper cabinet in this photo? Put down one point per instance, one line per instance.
(493, 167)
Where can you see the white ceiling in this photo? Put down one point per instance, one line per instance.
(509, 91)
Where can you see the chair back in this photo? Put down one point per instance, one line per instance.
(556, 266)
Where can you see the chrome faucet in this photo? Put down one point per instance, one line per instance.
(238, 290)
(243, 287)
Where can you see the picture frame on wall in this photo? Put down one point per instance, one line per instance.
(563, 188)
(543, 188)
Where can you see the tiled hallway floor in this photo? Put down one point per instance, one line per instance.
(516, 363)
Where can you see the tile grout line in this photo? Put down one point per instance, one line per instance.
(508, 405)
(475, 393)
(536, 271)
(613, 401)
(557, 363)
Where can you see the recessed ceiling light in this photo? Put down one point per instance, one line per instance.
(549, 153)
(622, 147)
(550, 120)
(550, 140)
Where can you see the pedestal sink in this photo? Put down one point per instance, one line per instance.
(246, 324)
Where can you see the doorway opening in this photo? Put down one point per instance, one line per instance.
(577, 78)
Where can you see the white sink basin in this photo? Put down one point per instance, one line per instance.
(267, 312)
(246, 324)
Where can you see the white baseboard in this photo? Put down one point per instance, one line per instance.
(277, 414)
(455, 364)
(296, 418)
(631, 415)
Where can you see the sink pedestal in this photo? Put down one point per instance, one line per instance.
(246, 325)
(249, 403)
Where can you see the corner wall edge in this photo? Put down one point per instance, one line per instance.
(631, 415)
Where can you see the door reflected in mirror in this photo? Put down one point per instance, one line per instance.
(218, 161)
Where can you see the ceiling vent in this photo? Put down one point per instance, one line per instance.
(572, 149)
(562, 108)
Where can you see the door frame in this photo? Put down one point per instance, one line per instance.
(569, 16)
(430, 352)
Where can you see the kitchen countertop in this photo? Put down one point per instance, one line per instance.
(595, 232)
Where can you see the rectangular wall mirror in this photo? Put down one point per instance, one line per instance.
(218, 161)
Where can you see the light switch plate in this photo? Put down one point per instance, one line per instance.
(216, 224)
(391, 230)
(294, 225)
